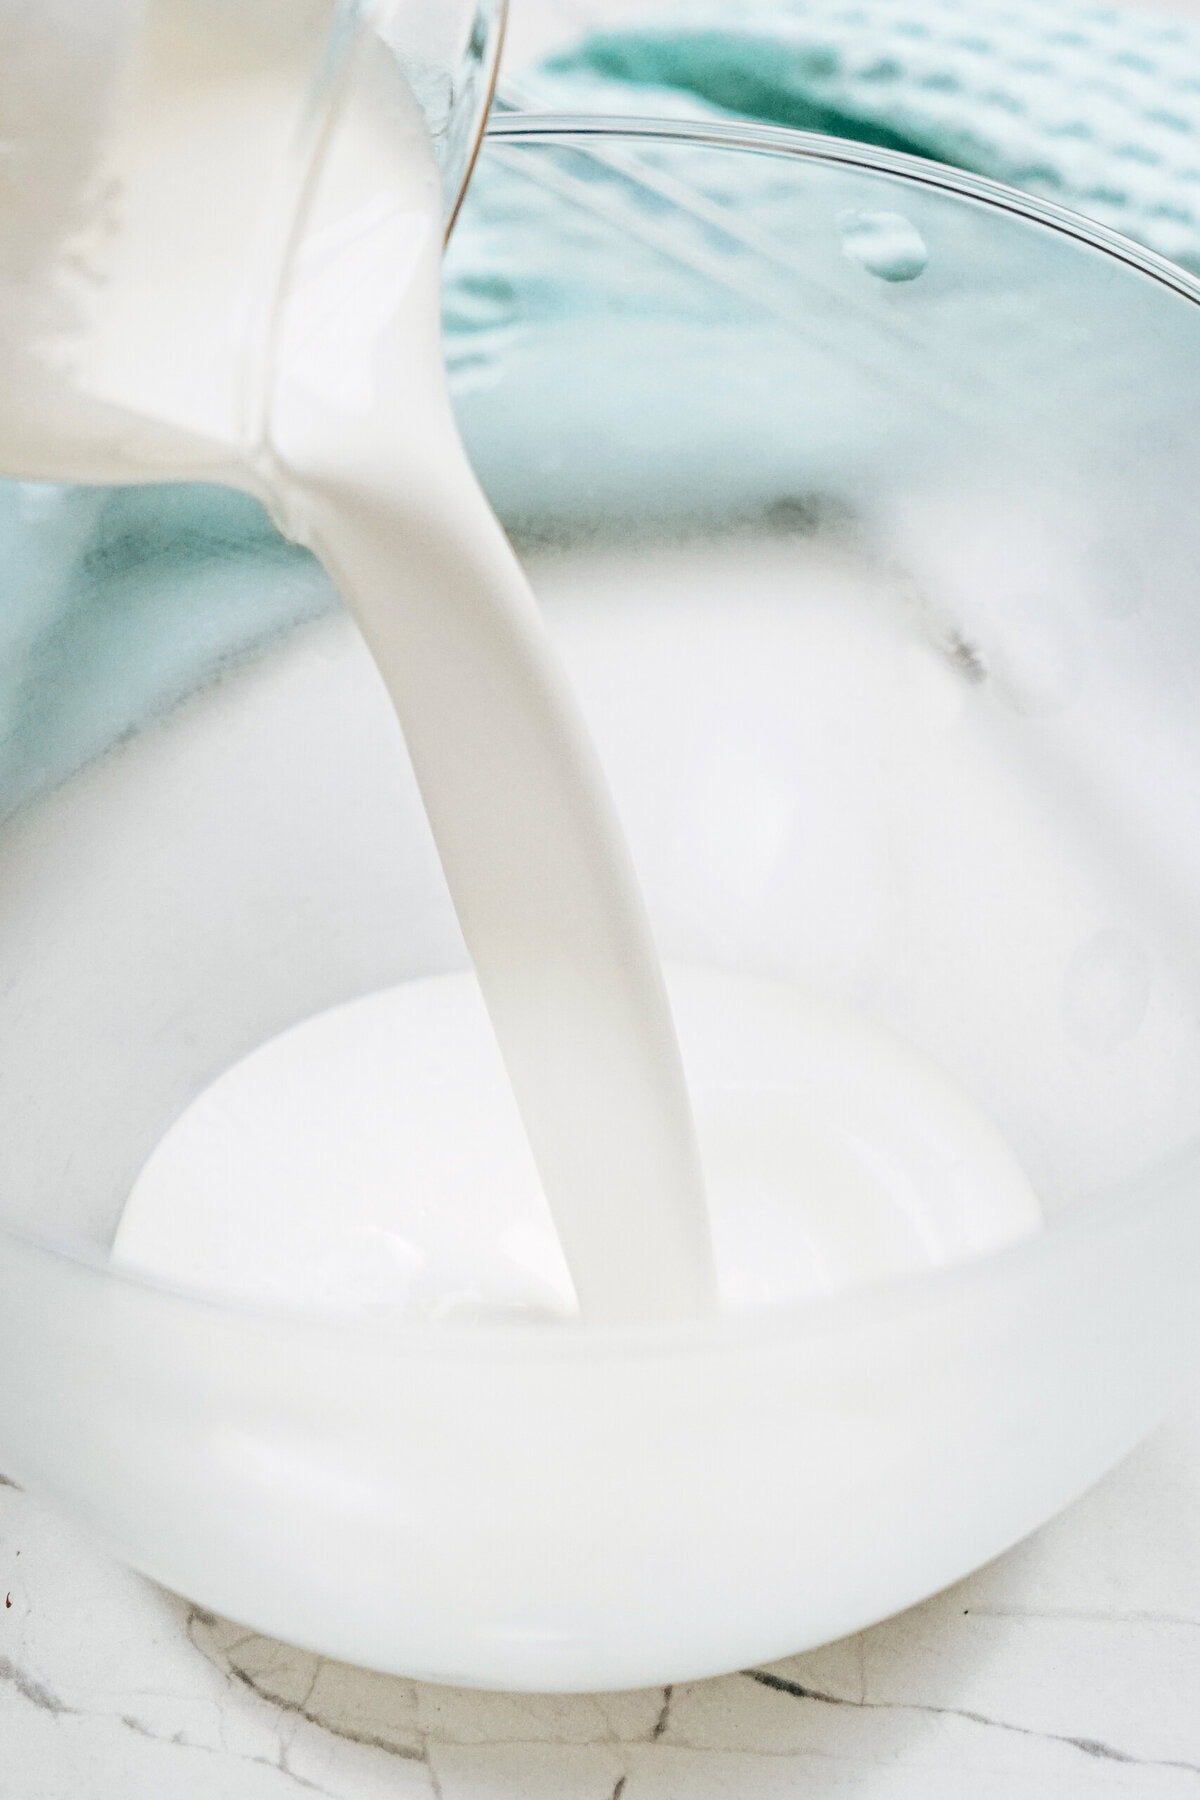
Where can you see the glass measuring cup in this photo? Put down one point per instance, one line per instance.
(147, 145)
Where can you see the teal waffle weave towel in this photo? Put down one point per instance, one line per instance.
(116, 605)
(1093, 106)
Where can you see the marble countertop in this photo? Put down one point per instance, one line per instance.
(1068, 1669)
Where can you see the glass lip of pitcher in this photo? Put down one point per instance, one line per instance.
(479, 66)
(1065, 1236)
(491, 16)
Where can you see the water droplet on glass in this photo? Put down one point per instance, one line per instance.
(886, 244)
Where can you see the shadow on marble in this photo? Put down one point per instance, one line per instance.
(600, 1746)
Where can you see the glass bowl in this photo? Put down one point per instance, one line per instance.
(860, 496)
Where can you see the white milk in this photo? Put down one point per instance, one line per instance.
(372, 1159)
(360, 451)
(289, 341)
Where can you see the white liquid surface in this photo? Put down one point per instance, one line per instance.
(372, 1159)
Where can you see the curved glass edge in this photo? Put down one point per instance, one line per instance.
(815, 147)
(810, 1319)
(481, 64)
(473, 88)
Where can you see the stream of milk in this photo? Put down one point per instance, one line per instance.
(360, 1157)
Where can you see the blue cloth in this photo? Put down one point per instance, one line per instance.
(117, 604)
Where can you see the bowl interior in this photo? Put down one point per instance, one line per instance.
(863, 510)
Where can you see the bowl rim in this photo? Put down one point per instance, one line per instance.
(816, 147)
(925, 1292)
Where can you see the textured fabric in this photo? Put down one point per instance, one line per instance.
(116, 605)
(1092, 106)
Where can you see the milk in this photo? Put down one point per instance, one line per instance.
(361, 455)
(371, 1160)
(527, 1143)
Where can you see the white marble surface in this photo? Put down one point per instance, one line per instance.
(1068, 1669)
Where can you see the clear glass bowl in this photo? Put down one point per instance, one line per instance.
(860, 495)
